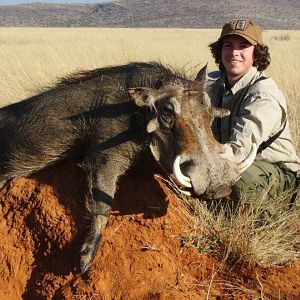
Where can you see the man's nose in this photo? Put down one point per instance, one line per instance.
(235, 51)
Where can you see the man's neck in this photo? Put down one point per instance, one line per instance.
(231, 80)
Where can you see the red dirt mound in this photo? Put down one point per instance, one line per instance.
(41, 228)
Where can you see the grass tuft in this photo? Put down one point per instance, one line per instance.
(248, 235)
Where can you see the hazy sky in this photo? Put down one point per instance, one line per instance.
(13, 2)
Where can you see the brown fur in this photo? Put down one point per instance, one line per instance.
(185, 136)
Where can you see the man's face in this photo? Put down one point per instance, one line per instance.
(237, 57)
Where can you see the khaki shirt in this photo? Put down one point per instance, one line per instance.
(261, 114)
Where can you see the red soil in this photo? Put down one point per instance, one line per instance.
(41, 227)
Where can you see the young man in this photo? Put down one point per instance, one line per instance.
(258, 113)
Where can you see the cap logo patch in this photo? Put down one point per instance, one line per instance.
(240, 25)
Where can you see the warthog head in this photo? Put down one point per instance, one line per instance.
(181, 137)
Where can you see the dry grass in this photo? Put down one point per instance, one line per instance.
(35, 57)
(247, 235)
(32, 58)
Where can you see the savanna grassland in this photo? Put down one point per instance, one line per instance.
(33, 58)
(178, 254)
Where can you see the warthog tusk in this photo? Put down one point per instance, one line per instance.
(187, 193)
(247, 162)
(180, 178)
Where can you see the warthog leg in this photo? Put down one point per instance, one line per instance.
(101, 191)
(93, 236)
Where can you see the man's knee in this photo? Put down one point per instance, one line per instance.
(263, 178)
(253, 181)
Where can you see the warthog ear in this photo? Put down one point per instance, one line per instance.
(206, 100)
(202, 74)
(143, 96)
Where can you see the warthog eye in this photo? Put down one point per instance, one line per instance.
(167, 116)
(167, 119)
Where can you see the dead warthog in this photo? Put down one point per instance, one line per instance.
(91, 116)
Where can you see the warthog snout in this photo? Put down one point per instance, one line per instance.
(219, 174)
(203, 171)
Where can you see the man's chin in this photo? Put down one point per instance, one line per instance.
(235, 73)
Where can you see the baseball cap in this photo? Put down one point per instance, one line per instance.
(244, 28)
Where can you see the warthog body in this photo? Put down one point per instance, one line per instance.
(92, 117)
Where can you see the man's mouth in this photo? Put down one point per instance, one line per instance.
(234, 61)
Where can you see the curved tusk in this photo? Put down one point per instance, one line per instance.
(247, 162)
(187, 193)
(180, 178)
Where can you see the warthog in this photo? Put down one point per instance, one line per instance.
(105, 117)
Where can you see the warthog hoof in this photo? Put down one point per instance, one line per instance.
(88, 252)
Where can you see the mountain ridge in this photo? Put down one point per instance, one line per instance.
(270, 14)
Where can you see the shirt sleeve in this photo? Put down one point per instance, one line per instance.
(259, 118)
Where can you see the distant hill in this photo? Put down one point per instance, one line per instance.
(271, 14)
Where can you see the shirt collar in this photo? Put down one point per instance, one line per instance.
(242, 82)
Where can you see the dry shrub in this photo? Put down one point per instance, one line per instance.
(282, 37)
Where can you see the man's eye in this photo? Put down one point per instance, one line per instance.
(244, 46)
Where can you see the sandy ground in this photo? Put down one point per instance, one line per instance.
(141, 257)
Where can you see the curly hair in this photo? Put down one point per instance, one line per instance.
(262, 56)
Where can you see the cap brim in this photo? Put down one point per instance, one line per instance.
(250, 40)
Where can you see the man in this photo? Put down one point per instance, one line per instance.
(258, 113)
